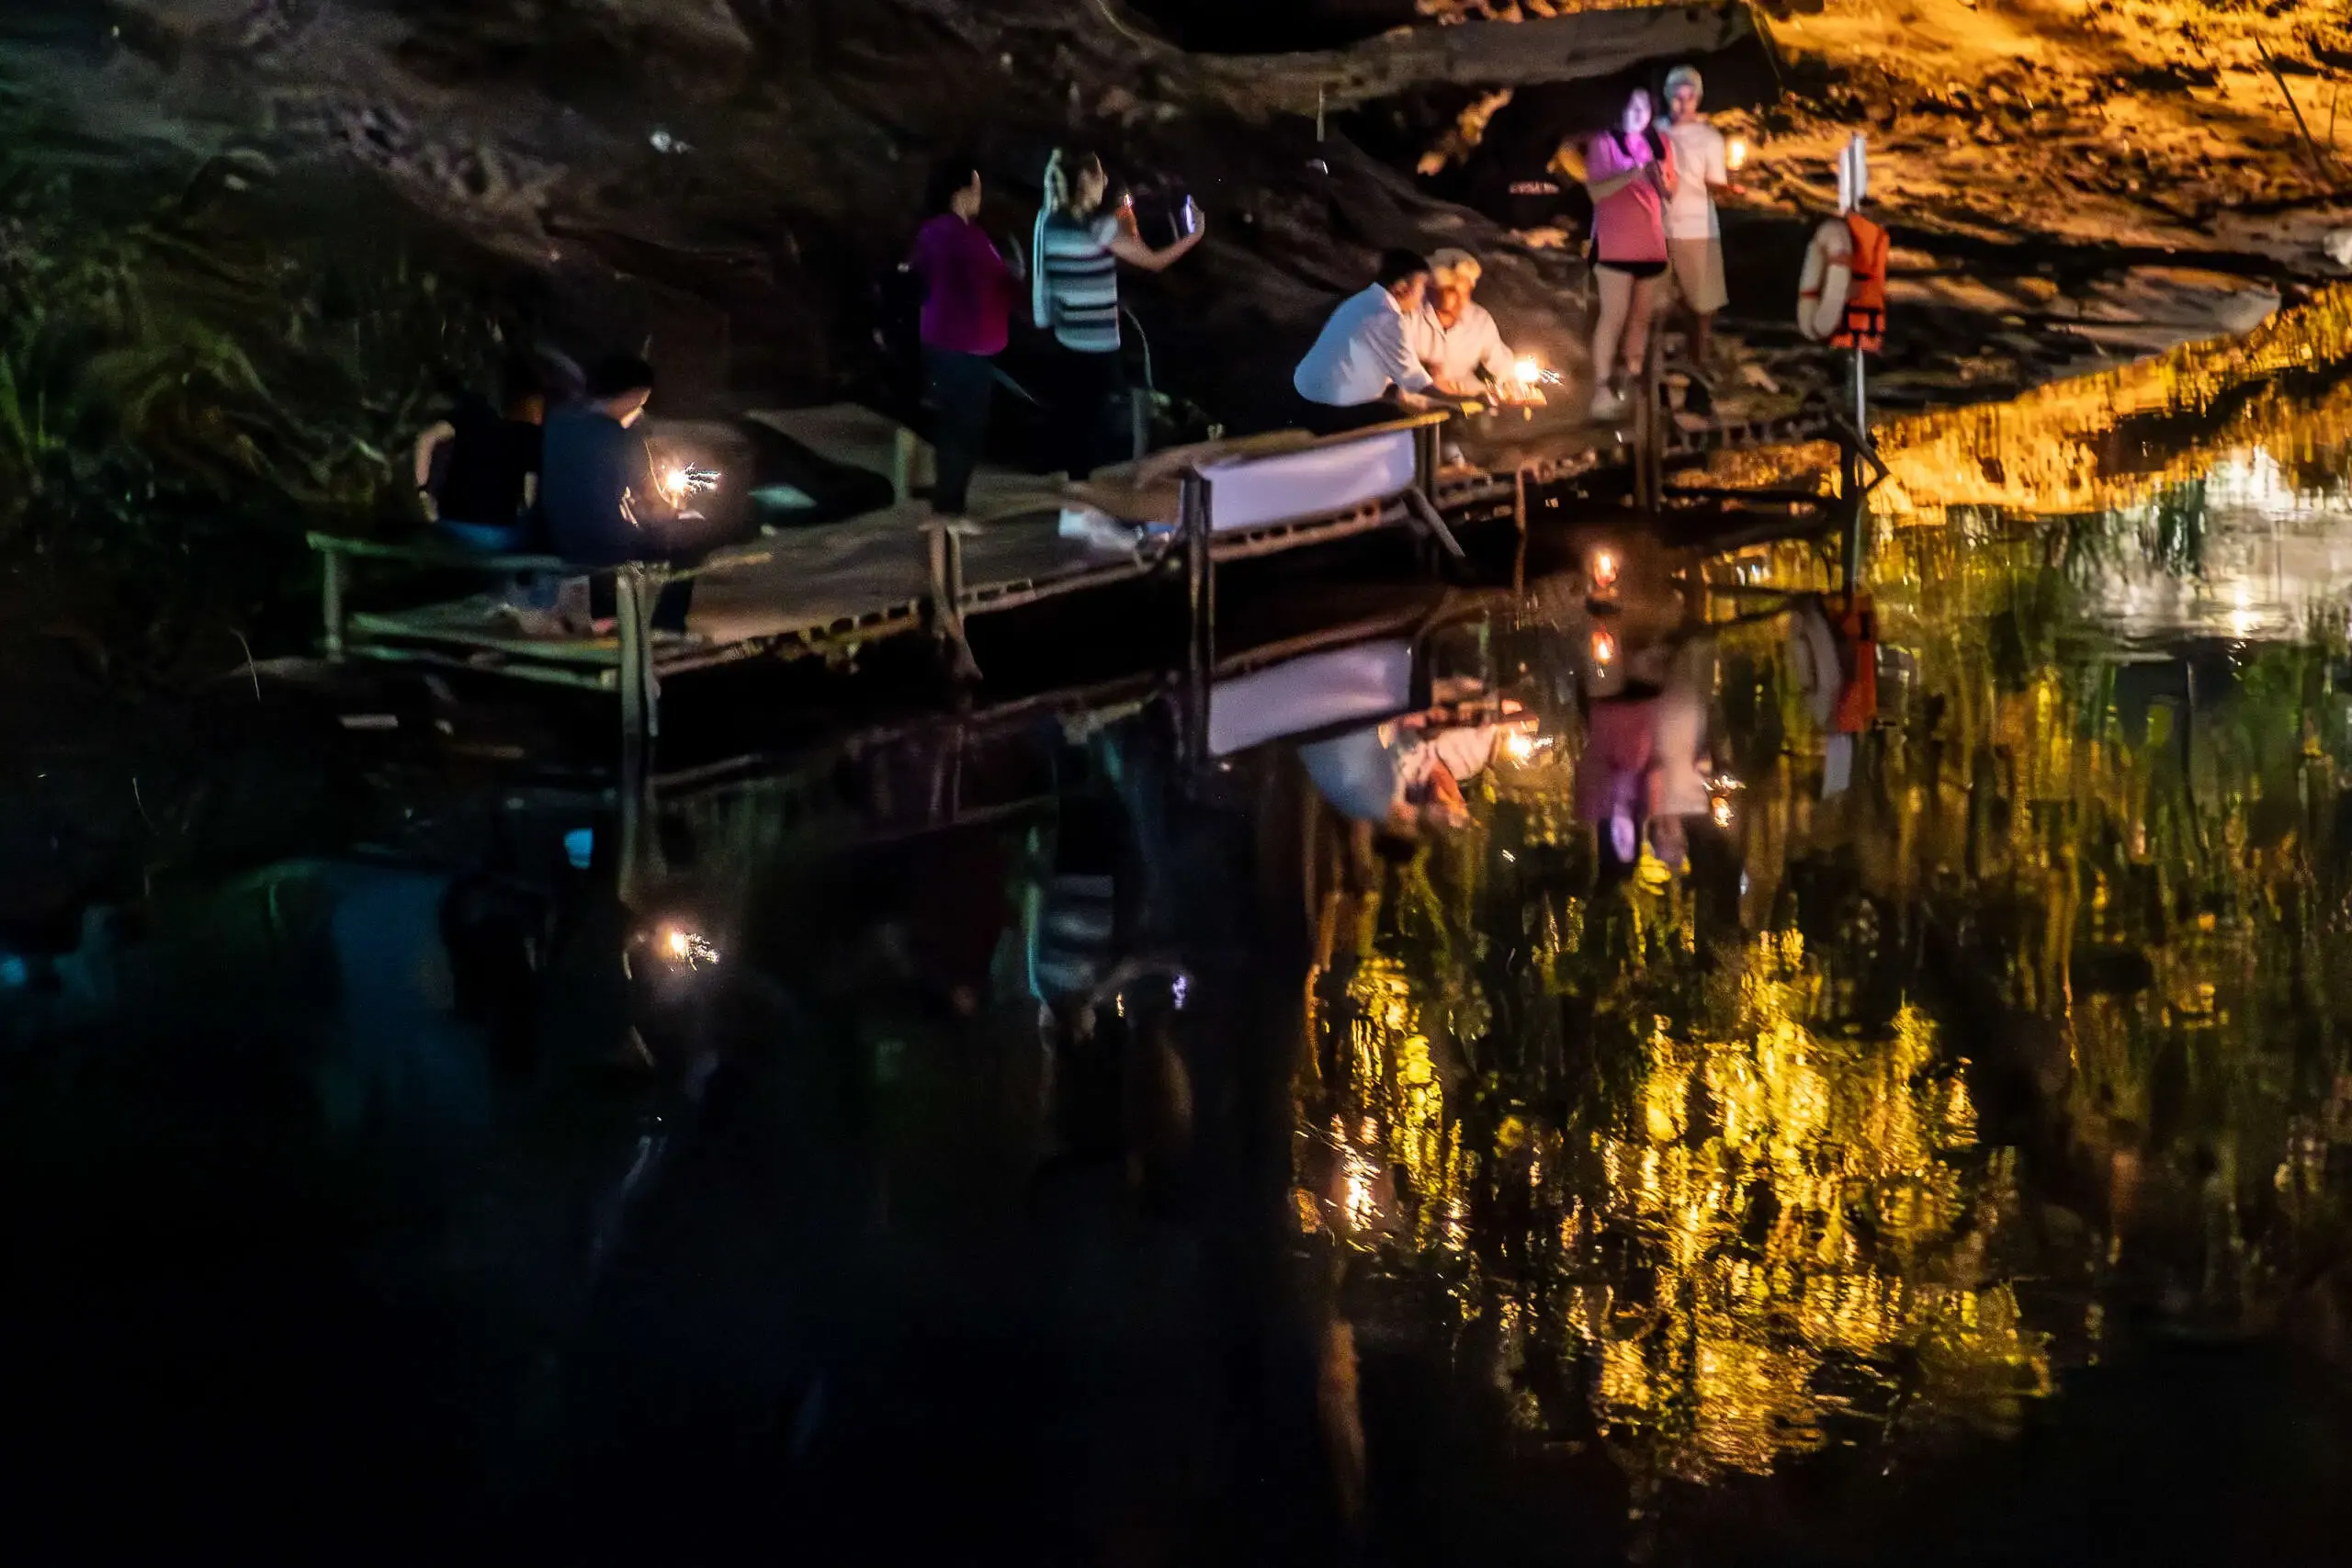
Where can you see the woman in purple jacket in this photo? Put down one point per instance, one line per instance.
(966, 306)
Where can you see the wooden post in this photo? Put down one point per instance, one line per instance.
(331, 585)
(1518, 518)
(631, 614)
(1200, 576)
(1857, 500)
(1649, 428)
(1429, 456)
(906, 463)
(947, 571)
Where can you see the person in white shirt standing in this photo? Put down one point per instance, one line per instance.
(1361, 371)
(1456, 340)
(1694, 244)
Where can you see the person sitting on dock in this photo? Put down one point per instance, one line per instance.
(1456, 340)
(603, 505)
(478, 471)
(1361, 371)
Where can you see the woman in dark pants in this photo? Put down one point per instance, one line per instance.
(1079, 247)
(967, 300)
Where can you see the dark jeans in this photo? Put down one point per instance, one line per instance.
(670, 606)
(1323, 419)
(1081, 438)
(963, 388)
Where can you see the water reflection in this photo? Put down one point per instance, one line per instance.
(1572, 1057)
(1875, 1115)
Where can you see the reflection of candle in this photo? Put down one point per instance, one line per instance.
(1604, 646)
(1736, 151)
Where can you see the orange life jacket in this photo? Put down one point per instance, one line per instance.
(1856, 628)
(1865, 325)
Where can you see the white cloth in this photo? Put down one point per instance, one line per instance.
(1454, 356)
(1370, 680)
(1247, 492)
(1699, 163)
(1359, 354)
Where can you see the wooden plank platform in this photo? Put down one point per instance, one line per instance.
(890, 571)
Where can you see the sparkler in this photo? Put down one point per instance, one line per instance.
(1529, 372)
(683, 480)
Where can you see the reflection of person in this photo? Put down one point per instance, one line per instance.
(1629, 175)
(1612, 775)
(1693, 231)
(966, 307)
(1360, 370)
(602, 505)
(1406, 775)
(1075, 294)
(1456, 339)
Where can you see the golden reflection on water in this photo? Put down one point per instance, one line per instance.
(1677, 1148)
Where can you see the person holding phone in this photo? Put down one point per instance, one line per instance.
(1631, 175)
(1075, 292)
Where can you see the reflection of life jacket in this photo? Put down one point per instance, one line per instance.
(1856, 633)
(1865, 325)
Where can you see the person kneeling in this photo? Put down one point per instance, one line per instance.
(602, 505)
(1361, 372)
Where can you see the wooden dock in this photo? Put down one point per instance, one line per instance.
(894, 571)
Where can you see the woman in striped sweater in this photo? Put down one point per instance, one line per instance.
(1075, 293)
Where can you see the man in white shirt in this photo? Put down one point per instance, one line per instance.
(1694, 245)
(1456, 340)
(1360, 371)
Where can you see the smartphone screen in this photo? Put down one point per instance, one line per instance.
(1190, 217)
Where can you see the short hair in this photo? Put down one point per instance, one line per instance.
(618, 372)
(948, 178)
(1396, 265)
(1682, 74)
(1451, 263)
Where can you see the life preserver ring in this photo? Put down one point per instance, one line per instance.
(1841, 298)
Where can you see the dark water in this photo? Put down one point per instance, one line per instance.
(1058, 1134)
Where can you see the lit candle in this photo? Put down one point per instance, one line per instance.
(1736, 151)
(1604, 568)
(1528, 370)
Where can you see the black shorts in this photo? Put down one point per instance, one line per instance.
(1636, 269)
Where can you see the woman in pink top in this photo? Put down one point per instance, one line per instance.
(966, 308)
(1630, 173)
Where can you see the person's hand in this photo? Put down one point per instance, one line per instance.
(1414, 403)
